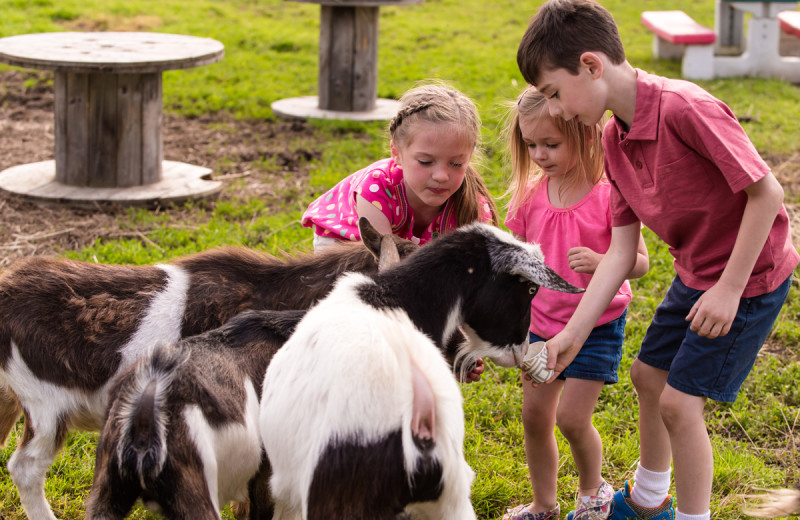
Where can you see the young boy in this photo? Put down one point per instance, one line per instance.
(679, 163)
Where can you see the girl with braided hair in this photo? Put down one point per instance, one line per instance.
(427, 187)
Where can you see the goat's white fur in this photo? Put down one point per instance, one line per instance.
(358, 361)
(230, 454)
(162, 322)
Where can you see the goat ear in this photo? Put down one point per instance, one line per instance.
(382, 247)
(535, 270)
(389, 253)
(370, 236)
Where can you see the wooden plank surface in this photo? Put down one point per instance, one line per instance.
(109, 52)
(152, 145)
(365, 59)
(348, 58)
(76, 165)
(337, 31)
(101, 147)
(129, 130)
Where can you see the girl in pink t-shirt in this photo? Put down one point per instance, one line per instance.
(427, 187)
(560, 200)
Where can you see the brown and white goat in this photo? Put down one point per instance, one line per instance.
(361, 416)
(68, 327)
(182, 432)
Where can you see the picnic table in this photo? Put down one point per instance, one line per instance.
(728, 50)
(108, 114)
(348, 64)
(754, 52)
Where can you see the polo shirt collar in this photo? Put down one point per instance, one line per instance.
(647, 110)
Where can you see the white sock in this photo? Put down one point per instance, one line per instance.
(684, 516)
(650, 488)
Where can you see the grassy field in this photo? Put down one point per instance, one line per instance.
(271, 54)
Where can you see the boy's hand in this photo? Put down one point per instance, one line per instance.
(583, 259)
(561, 350)
(713, 313)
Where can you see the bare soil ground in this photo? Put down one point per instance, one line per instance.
(263, 159)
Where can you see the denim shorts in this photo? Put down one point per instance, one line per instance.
(712, 368)
(598, 359)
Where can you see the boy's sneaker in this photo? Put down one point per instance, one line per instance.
(624, 508)
(597, 508)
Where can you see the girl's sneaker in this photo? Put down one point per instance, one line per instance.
(597, 508)
(522, 513)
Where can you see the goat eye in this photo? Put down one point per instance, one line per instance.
(533, 289)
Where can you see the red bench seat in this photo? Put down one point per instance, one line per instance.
(677, 28)
(790, 22)
(676, 36)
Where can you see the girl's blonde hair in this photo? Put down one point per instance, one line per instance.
(437, 103)
(582, 141)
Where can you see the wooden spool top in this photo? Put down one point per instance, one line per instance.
(109, 52)
(360, 3)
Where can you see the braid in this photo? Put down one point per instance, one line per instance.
(436, 103)
(406, 111)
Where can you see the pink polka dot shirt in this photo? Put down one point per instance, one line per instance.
(334, 213)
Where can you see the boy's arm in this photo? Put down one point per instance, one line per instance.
(713, 313)
(615, 267)
(642, 264)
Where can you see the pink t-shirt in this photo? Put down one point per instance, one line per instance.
(334, 213)
(681, 170)
(586, 223)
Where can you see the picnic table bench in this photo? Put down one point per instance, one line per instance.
(678, 36)
(348, 64)
(108, 114)
(790, 22)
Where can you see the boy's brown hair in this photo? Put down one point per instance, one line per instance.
(561, 31)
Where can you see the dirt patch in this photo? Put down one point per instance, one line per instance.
(255, 159)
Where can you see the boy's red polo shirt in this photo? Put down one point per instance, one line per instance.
(681, 170)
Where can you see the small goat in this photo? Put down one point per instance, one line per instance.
(67, 328)
(361, 416)
(182, 433)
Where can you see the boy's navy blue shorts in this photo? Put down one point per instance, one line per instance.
(599, 357)
(712, 368)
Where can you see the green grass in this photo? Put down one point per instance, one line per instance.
(271, 54)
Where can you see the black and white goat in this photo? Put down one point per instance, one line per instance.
(67, 328)
(361, 416)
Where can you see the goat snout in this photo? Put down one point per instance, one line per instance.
(512, 356)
